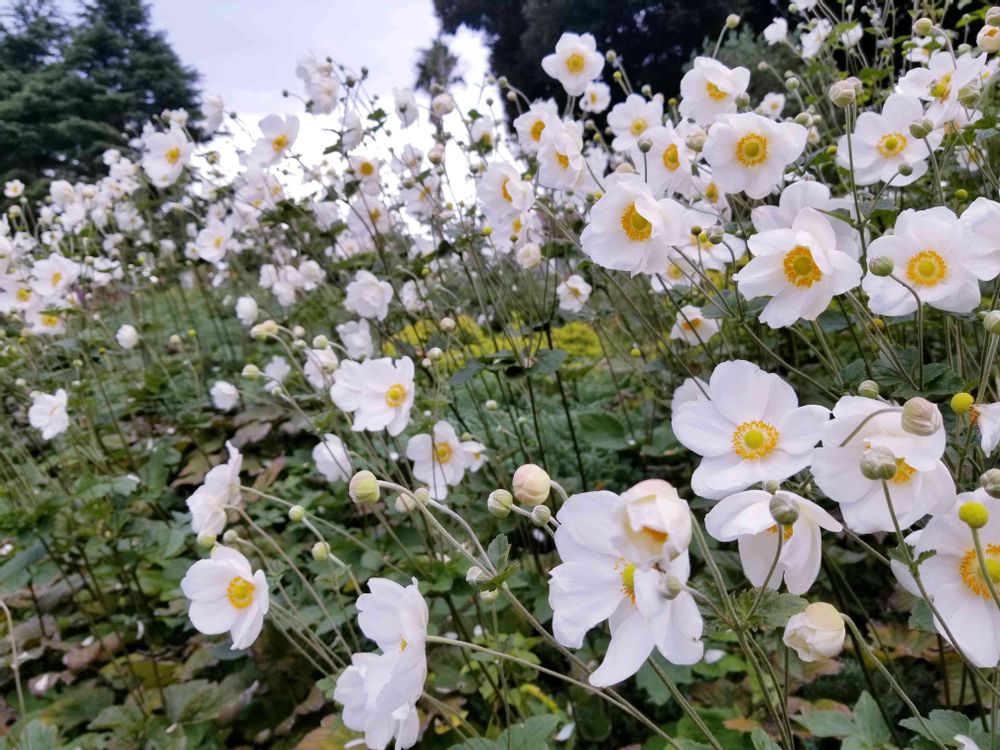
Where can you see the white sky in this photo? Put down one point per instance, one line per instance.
(246, 51)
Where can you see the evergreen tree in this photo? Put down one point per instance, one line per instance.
(69, 91)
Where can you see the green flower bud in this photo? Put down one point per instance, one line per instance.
(231, 536)
(920, 417)
(923, 26)
(991, 322)
(784, 508)
(296, 513)
(732, 21)
(499, 503)
(320, 551)
(206, 539)
(540, 515)
(868, 389)
(363, 488)
(878, 463)
(990, 481)
(881, 265)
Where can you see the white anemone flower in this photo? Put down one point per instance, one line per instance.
(368, 296)
(331, 459)
(746, 518)
(220, 488)
(575, 63)
(379, 392)
(799, 268)
(922, 483)
(751, 429)
(573, 293)
(629, 230)
(227, 595)
(710, 89)
(935, 254)
(48, 413)
(749, 153)
(692, 327)
(439, 461)
(278, 136)
(630, 119)
(595, 583)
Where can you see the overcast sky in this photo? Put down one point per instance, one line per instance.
(246, 50)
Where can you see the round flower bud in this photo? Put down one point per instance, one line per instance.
(905, 170)
(881, 265)
(363, 488)
(816, 633)
(732, 21)
(422, 495)
(921, 128)
(540, 515)
(792, 84)
(923, 26)
(696, 140)
(645, 145)
(231, 536)
(488, 597)
(491, 405)
(878, 463)
(868, 389)
(635, 352)
(475, 575)
(990, 481)
(671, 586)
(321, 342)
(434, 353)
(320, 551)
(974, 514)
(969, 96)
(844, 93)
(962, 402)
(531, 484)
(499, 503)
(784, 508)
(296, 513)
(447, 324)
(743, 100)
(251, 372)
(206, 539)
(993, 16)
(921, 417)
(991, 322)
(962, 194)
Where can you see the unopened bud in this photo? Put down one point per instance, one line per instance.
(732, 21)
(671, 586)
(868, 389)
(991, 322)
(696, 140)
(540, 515)
(784, 508)
(447, 324)
(296, 513)
(993, 16)
(645, 145)
(846, 92)
(321, 551)
(923, 26)
(905, 170)
(990, 481)
(321, 342)
(363, 488)
(206, 539)
(743, 100)
(920, 417)
(251, 372)
(792, 84)
(881, 265)
(499, 503)
(488, 597)
(531, 484)
(231, 536)
(921, 128)
(878, 463)
(475, 575)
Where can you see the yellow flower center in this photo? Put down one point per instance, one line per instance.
(173, 155)
(575, 63)
(627, 572)
(891, 144)
(240, 592)
(972, 573)
(660, 537)
(942, 87)
(23, 295)
(56, 278)
(712, 192)
(563, 160)
(367, 168)
(217, 241)
(503, 190)
(442, 453)
(691, 325)
(638, 126)
(637, 228)
(280, 143)
(395, 396)
(904, 472)
(670, 158)
(786, 531)
(403, 644)
(49, 320)
(926, 268)
(674, 272)
(751, 150)
(375, 214)
(715, 92)
(536, 130)
(755, 439)
(800, 268)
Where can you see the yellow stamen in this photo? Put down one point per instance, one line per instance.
(280, 143)
(751, 150)
(395, 396)
(891, 145)
(173, 155)
(442, 453)
(638, 126)
(715, 92)
(240, 592)
(575, 63)
(972, 573)
(637, 228)
(536, 130)
(800, 268)
(926, 268)
(671, 160)
(754, 440)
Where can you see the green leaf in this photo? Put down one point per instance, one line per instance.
(531, 734)
(548, 362)
(827, 723)
(762, 741)
(869, 721)
(602, 431)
